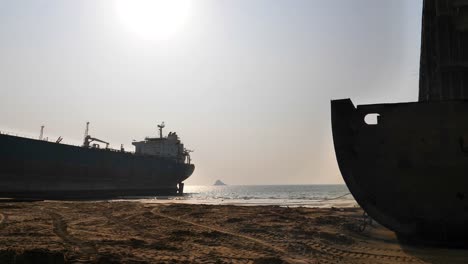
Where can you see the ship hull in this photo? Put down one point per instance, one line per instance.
(45, 170)
(409, 171)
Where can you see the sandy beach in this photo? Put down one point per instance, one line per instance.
(134, 232)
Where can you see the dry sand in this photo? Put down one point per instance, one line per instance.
(134, 232)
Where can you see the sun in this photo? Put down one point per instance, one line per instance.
(153, 19)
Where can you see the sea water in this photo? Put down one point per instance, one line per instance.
(280, 195)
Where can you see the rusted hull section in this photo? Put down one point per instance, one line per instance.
(409, 171)
(44, 170)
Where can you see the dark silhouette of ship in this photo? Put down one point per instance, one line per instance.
(38, 169)
(406, 164)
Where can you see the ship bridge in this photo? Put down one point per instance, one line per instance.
(164, 147)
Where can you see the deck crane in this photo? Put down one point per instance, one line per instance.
(89, 139)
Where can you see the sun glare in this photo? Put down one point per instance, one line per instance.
(153, 19)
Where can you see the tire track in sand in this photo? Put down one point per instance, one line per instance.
(2, 218)
(328, 249)
(287, 256)
(86, 251)
(350, 252)
(335, 253)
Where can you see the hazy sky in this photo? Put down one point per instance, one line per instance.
(246, 83)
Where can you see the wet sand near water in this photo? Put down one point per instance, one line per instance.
(134, 232)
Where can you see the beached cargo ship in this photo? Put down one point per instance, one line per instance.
(406, 164)
(31, 168)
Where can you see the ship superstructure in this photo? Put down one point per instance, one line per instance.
(165, 147)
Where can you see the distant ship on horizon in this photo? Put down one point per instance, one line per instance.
(35, 168)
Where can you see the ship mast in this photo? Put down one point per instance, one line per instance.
(161, 126)
(41, 135)
(86, 133)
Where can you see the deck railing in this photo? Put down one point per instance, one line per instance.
(3, 132)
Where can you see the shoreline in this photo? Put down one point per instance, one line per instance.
(252, 202)
(128, 231)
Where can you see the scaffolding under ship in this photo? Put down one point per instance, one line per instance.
(408, 168)
(39, 169)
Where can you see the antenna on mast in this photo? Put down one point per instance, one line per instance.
(161, 126)
(41, 135)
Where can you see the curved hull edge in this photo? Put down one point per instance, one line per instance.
(408, 171)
